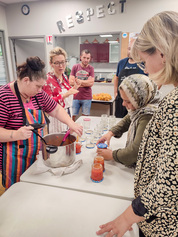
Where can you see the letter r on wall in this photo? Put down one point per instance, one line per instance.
(60, 26)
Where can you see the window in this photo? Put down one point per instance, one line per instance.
(3, 61)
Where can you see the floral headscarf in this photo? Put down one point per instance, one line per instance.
(144, 96)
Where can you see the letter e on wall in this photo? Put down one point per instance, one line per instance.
(69, 21)
(100, 11)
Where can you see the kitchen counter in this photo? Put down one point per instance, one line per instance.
(103, 102)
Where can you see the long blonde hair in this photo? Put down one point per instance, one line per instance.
(160, 33)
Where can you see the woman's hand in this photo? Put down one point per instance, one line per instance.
(106, 153)
(22, 133)
(106, 137)
(77, 128)
(71, 91)
(121, 224)
(60, 114)
(77, 84)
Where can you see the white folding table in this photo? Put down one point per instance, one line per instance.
(28, 210)
(118, 179)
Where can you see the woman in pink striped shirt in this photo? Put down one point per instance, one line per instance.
(23, 102)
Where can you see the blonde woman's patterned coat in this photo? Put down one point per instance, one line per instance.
(156, 174)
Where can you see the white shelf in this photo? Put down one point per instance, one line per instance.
(106, 70)
(103, 84)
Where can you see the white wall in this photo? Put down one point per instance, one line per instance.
(29, 47)
(44, 15)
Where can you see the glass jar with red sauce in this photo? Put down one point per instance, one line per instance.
(97, 173)
(78, 147)
(100, 160)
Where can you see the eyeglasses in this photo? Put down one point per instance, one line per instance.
(57, 63)
(141, 65)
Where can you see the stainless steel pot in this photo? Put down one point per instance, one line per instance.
(65, 154)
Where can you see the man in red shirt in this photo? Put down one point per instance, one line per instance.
(82, 74)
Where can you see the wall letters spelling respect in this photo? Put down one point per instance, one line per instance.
(100, 12)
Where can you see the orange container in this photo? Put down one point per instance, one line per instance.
(97, 172)
(100, 160)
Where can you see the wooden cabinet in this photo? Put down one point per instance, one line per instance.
(103, 53)
(99, 52)
(93, 50)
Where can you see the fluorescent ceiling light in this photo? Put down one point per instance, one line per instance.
(112, 42)
(105, 35)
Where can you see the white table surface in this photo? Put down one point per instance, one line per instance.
(30, 210)
(118, 179)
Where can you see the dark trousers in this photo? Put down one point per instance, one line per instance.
(120, 111)
(141, 233)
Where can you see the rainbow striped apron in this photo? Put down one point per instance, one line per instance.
(19, 155)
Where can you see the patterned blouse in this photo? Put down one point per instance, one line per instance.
(156, 174)
(53, 87)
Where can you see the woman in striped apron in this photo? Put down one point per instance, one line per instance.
(22, 103)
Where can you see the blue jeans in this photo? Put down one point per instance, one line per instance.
(85, 104)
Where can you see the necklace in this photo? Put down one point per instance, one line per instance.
(26, 98)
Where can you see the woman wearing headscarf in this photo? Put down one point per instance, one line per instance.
(140, 97)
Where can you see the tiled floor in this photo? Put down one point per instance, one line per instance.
(2, 189)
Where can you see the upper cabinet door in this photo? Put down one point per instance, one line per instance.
(99, 52)
(93, 50)
(103, 53)
(114, 53)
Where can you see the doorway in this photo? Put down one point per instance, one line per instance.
(22, 48)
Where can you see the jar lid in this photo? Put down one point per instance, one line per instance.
(89, 132)
(90, 146)
(102, 145)
(86, 119)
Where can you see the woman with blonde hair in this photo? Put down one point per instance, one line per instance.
(57, 86)
(156, 177)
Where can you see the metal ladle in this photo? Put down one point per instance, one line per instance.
(49, 148)
(37, 125)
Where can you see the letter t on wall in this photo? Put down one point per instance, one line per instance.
(122, 5)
